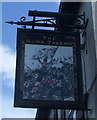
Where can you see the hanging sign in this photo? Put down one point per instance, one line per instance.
(48, 70)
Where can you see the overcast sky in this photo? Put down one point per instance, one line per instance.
(12, 11)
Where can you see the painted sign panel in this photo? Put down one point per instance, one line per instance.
(47, 69)
(49, 73)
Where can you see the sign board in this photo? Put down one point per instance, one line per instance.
(48, 70)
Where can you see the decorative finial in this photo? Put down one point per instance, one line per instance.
(10, 22)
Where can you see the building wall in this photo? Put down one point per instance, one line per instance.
(94, 11)
(95, 30)
(89, 61)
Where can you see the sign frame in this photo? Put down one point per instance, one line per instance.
(25, 36)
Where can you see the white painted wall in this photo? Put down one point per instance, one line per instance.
(94, 7)
(90, 58)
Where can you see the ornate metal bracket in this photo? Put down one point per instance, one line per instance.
(80, 22)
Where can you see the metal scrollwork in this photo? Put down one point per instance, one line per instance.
(52, 21)
(22, 19)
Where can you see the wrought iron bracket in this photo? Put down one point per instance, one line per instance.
(82, 21)
(51, 21)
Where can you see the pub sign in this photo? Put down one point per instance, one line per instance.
(48, 70)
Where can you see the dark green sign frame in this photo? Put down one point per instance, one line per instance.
(27, 41)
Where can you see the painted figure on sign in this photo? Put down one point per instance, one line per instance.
(43, 69)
